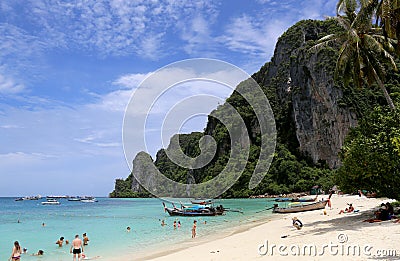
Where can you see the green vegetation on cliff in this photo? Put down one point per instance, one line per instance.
(292, 169)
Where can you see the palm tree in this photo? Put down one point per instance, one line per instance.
(386, 12)
(364, 49)
(388, 17)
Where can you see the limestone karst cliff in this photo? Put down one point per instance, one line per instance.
(313, 115)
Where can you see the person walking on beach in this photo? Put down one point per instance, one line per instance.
(194, 229)
(85, 239)
(76, 248)
(16, 252)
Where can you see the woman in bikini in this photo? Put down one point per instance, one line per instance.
(194, 229)
(16, 252)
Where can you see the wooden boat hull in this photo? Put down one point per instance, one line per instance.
(296, 199)
(301, 208)
(190, 212)
(201, 201)
(283, 199)
(174, 212)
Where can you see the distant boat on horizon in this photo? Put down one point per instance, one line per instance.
(29, 198)
(88, 200)
(51, 201)
(74, 199)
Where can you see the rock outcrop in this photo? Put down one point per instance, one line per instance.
(311, 119)
(306, 85)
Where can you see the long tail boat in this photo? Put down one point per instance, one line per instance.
(200, 201)
(300, 207)
(305, 199)
(193, 211)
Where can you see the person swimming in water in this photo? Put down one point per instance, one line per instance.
(39, 253)
(60, 242)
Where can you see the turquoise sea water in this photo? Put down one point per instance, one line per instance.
(105, 223)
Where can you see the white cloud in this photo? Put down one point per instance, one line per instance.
(116, 28)
(169, 85)
(10, 126)
(249, 35)
(150, 46)
(24, 157)
(130, 80)
(256, 35)
(114, 101)
(96, 136)
(196, 34)
(9, 86)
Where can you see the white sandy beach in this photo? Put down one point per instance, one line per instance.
(328, 237)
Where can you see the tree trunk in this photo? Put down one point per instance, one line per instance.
(385, 93)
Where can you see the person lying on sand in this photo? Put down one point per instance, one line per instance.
(347, 210)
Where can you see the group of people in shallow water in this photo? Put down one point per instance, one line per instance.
(77, 246)
(177, 224)
(76, 249)
(17, 252)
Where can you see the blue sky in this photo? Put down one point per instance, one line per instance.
(68, 69)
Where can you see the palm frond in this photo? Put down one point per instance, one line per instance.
(346, 6)
(363, 20)
(376, 47)
(388, 44)
(345, 54)
(343, 21)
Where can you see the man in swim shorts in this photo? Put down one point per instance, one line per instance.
(76, 248)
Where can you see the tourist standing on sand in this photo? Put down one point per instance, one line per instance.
(76, 248)
(16, 252)
(85, 239)
(194, 229)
